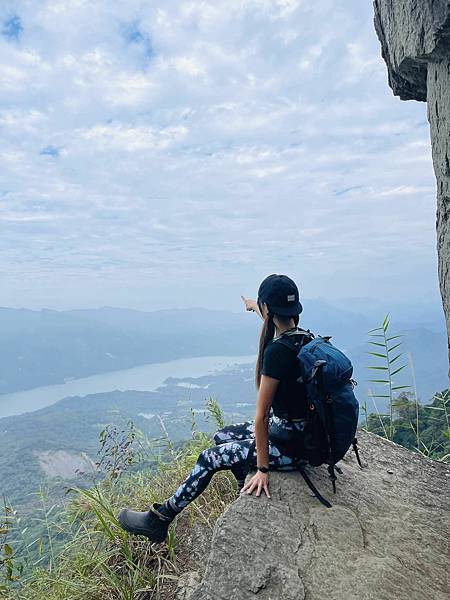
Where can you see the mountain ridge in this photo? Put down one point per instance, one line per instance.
(45, 347)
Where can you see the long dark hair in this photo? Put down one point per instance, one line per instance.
(267, 334)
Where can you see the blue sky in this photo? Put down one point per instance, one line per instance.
(172, 154)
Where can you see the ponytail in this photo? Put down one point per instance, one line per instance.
(267, 335)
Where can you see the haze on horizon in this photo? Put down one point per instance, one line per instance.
(174, 155)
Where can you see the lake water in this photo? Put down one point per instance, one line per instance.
(143, 378)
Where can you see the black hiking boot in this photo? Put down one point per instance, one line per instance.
(150, 523)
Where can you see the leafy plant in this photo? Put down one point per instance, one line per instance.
(117, 451)
(432, 420)
(11, 565)
(440, 403)
(215, 410)
(407, 422)
(386, 346)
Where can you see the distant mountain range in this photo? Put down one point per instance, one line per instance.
(46, 347)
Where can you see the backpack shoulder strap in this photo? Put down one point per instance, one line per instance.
(287, 343)
(294, 340)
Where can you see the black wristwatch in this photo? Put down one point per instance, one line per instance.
(263, 469)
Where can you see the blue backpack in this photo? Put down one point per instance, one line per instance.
(333, 410)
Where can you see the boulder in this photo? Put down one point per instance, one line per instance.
(384, 538)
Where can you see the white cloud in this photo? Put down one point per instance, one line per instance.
(11, 78)
(210, 143)
(188, 65)
(21, 119)
(131, 139)
(400, 191)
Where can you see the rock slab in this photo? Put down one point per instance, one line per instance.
(385, 537)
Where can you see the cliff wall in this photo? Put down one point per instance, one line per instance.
(415, 44)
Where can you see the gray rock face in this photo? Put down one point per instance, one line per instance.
(385, 537)
(415, 44)
(187, 584)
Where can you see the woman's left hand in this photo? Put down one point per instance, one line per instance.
(259, 481)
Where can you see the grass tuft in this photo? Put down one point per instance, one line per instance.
(100, 561)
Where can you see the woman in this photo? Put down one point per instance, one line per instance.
(279, 306)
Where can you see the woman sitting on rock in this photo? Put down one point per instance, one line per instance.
(279, 306)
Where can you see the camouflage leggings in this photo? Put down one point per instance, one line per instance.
(233, 444)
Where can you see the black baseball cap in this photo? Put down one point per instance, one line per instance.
(281, 295)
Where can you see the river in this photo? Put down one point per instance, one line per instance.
(143, 378)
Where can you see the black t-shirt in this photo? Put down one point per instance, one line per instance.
(281, 363)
